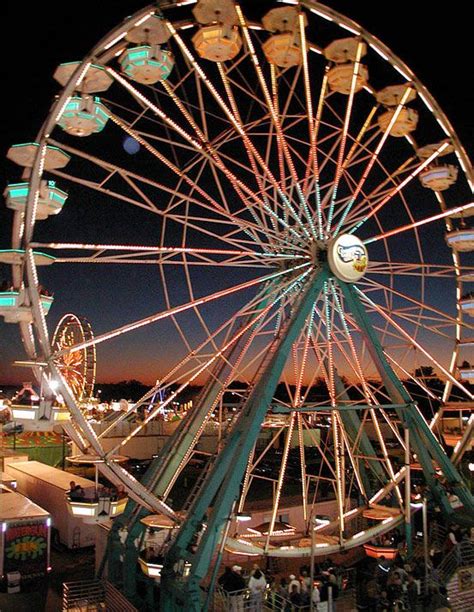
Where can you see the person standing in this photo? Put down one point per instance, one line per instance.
(257, 585)
(234, 585)
(294, 582)
(295, 595)
(412, 593)
(305, 581)
(316, 597)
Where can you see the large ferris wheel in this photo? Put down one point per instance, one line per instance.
(306, 205)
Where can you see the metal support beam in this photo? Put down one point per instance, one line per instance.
(165, 468)
(353, 425)
(221, 487)
(423, 440)
(282, 409)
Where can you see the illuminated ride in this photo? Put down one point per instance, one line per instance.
(78, 366)
(313, 252)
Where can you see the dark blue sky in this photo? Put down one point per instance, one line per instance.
(434, 46)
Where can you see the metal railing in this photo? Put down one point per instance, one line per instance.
(278, 603)
(225, 601)
(461, 555)
(272, 600)
(94, 596)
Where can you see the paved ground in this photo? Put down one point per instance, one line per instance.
(46, 597)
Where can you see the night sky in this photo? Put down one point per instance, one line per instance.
(434, 46)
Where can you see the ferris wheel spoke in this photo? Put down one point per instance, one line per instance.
(233, 236)
(142, 99)
(238, 185)
(374, 156)
(397, 363)
(443, 215)
(308, 97)
(142, 122)
(210, 205)
(114, 169)
(328, 159)
(252, 154)
(354, 214)
(239, 128)
(249, 311)
(424, 269)
(312, 165)
(104, 253)
(357, 147)
(300, 368)
(177, 309)
(422, 323)
(259, 216)
(368, 199)
(281, 477)
(420, 304)
(199, 371)
(410, 376)
(400, 186)
(245, 225)
(324, 451)
(197, 353)
(304, 494)
(283, 75)
(345, 130)
(276, 121)
(335, 425)
(416, 344)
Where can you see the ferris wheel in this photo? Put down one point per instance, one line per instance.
(78, 366)
(306, 207)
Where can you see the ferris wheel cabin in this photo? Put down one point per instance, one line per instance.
(347, 74)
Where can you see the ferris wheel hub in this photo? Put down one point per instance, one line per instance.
(348, 258)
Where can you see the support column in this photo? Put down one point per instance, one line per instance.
(408, 527)
(423, 440)
(221, 487)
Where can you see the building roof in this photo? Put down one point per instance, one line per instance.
(46, 473)
(14, 506)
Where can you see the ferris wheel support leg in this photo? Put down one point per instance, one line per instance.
(130, 565)
(222, 485)
(353, 425)
(425, 444)
(464, 443)
(164, 470)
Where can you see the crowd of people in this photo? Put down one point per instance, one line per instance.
(286, 593)
(233, 583)
(382, 585)
(398, 585)
(390, 585)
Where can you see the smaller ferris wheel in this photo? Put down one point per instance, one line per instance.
(78, 367)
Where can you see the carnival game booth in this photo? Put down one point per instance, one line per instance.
(25, 538)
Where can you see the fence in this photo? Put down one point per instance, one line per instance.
(94, 596)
